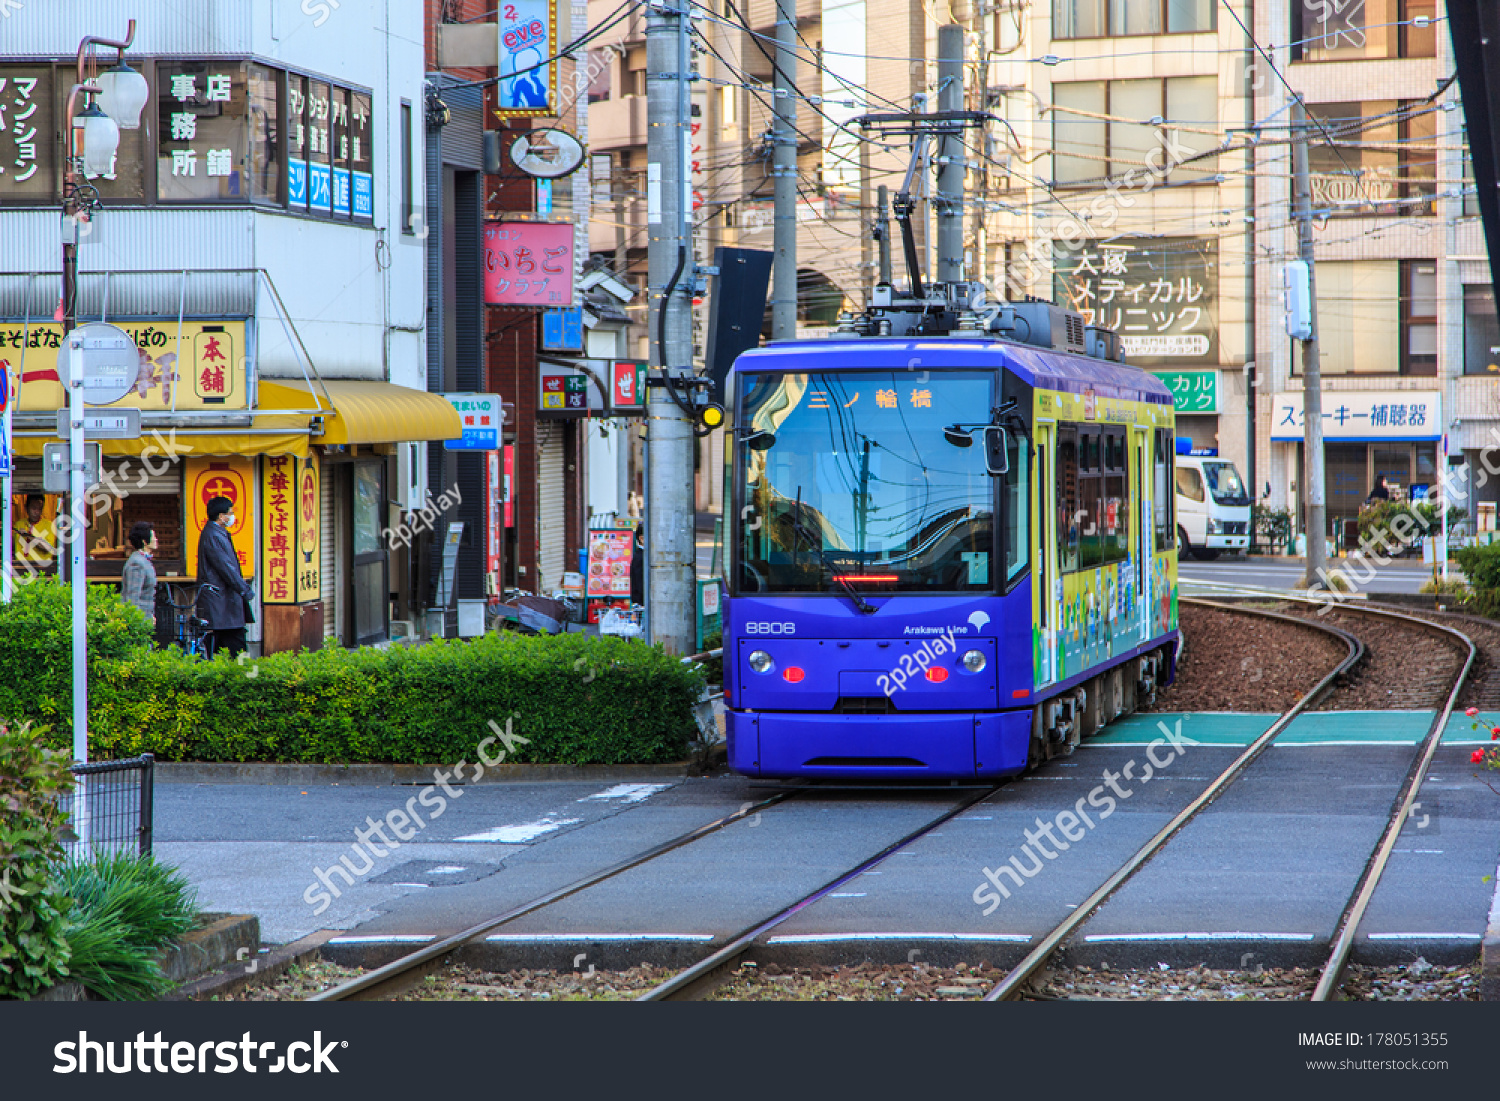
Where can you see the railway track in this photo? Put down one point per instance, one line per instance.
(1014, 985)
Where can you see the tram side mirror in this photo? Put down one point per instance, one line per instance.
(760, 441)
(997, 450)
(957, 436)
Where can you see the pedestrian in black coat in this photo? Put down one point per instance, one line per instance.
(223, 593)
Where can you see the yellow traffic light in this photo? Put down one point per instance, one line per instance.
(711, 416)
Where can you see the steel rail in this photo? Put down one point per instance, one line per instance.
(1354, 911)
(711, 971)
(401, 974)
(1011, 986)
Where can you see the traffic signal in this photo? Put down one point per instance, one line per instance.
(710, 416)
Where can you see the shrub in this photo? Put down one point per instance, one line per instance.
(1376, 520)
(1273, 526)
(36, 640)
(574, 699)
(126, 909)
(33, 949)
(1481, 565)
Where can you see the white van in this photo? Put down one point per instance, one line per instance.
(1213, 505)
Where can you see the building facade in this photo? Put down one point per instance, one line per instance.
(250, 241)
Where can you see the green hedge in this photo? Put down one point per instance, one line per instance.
(575, 699)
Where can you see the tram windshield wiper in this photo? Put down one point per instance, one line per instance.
(865, 607)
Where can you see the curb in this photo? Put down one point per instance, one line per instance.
(203, 772)
(1489, 951)
(261, 970)
(210, 948)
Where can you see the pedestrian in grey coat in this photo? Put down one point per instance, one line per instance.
(138, 583)
(223, 593)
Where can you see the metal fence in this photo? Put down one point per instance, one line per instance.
(111, 806)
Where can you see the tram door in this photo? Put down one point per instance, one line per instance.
(1046, 551)
(1140, 449)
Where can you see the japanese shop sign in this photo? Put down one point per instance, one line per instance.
(628, 388)
(565, 393)
(1192, 391)
(1160, 295)
(207, 371)
(1376, 415)
(230, 477)
(609, 564)
(528, 264)
(291, 535)
(562, 330)
(28, 139)
(201, 135)
(528, 75)
(481, 417)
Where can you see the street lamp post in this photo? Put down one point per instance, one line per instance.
(121, 90)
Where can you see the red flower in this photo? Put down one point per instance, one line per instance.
(1478, 756)
(1471, 711)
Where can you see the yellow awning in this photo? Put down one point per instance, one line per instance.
(273, 435)
(368, 412)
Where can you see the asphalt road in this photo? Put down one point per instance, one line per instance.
(1264, 870)
(1396, 577)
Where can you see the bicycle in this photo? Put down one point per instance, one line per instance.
(190, 632)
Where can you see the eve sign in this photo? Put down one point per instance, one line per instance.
(528, 264)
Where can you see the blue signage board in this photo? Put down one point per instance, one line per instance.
(364, 196)
(562, 330)
(481, 417)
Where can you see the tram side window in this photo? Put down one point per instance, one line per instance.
(1115, 525)
(1016, 509)
(1068, 503)
(1161, 492)
(1091, 486)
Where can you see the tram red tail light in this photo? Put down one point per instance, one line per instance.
(792, 674)
(937, 674)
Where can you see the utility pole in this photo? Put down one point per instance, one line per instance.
(784, 176)
(1312, 398)
(671, 577)
(951, 160)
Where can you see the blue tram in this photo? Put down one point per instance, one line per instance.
(952, 551)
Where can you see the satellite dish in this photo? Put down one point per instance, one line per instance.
(547, 154)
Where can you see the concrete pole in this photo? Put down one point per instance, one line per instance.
(951, 160)
(784, 176)
(1312, 398)
(671, 575)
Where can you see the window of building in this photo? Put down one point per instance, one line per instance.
(1419, 332)
(601, 175)
(1481, 332)
(600, 65)
(203, 113)
(1365, 30)
(1377, 157)
(635, 71)
(1148, 119)
(408, 180)
(1107, 18)
(1359, 333)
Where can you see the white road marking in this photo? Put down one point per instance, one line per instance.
(1101, 938)
(423, 886)
(395, 938)
(626, 793)
(847, 894)
(1424, 936)
(449, 869)
(833, 938)
(526, 831)
(522, 938)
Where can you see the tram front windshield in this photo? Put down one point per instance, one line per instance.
(850, 475)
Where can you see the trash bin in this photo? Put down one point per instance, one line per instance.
(471, 618)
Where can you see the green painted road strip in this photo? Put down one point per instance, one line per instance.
(1320, 728)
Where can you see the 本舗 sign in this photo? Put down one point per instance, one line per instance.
(1160, 295)
(1192, 391)
(1375, 415)
(232, 477)
(291, 535)
(528, 73)
(528, 264)
(205, 371)
(481, 417)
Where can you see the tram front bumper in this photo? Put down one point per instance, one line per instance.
(944, 746)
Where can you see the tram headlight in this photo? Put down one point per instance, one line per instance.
(974, 661)
(761, 661)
